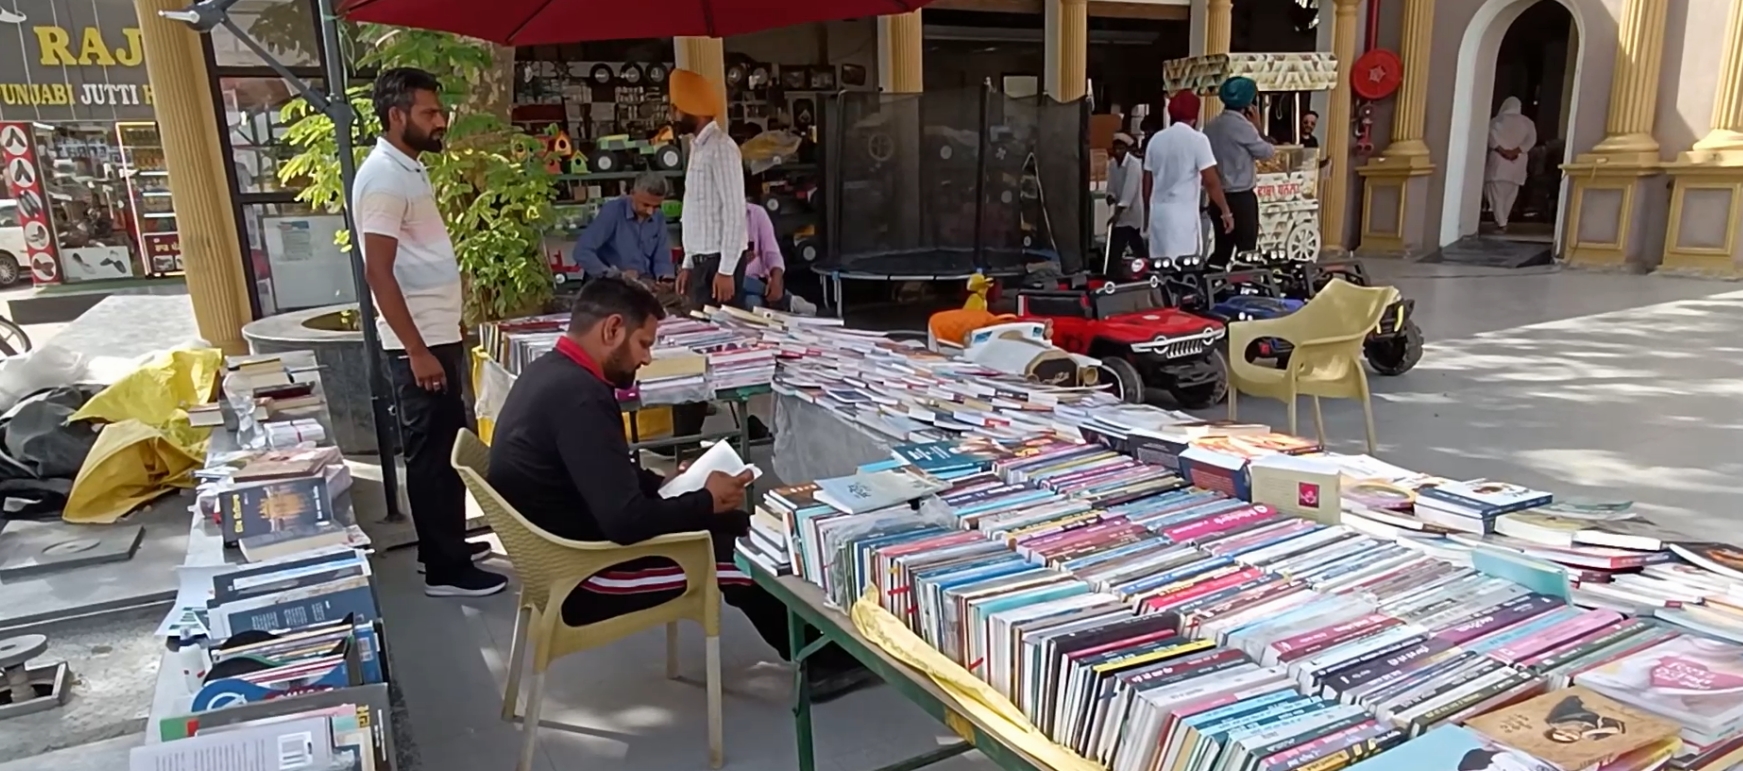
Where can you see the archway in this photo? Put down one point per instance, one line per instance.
(1474, 97)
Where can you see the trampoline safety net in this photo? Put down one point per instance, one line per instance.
(944, 183)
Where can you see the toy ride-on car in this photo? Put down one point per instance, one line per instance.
(1142, 343)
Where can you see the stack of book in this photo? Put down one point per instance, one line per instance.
(1147, 625)
(270, 503)
(1472, 506)
(1694, 682)
(766, 543)
(673, 375)
(318, 731)
(514, 343)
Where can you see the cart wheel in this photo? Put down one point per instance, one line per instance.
(13, 340)
(669, 158)
(1398, 354)
(1127, 383)
(1303, 242)
(1205, 395)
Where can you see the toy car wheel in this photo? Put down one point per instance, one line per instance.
(559, 278)
(1127, 383)
(1398, 354)
(1207, 394)
(668, 158)
(605, 162)
(10, 271)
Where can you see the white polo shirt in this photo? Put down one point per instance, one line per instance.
(392, 197)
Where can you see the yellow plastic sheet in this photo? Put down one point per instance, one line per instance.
(996, 714)
(146, 446)
(130, 465)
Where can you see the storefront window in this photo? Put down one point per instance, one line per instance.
(297, 263)
(285, 28)
(252, 112)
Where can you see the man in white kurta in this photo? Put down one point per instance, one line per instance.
(1511, 137)
(1178, 163)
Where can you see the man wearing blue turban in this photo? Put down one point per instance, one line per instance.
(1238, 144)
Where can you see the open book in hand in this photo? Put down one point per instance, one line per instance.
(721, 457)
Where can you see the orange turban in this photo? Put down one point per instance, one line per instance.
(693, 94)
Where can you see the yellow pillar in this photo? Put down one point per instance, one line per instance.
(1604, 221)
(1335, 196)
(1219, 29)
(1725, 140)
(703, 56)
(1066, 50)
(206, 223)
(900, 61)
(1706, 201)
(1634, 84)
(1394, 179)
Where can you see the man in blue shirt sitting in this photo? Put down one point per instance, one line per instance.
(628, 236)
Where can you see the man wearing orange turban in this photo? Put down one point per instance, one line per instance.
(715, 234)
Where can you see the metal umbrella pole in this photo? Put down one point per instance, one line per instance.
(207, 15)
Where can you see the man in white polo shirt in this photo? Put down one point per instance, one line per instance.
(415, 280)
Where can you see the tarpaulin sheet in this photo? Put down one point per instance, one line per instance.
(147, 447)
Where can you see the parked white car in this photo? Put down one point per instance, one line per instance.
(11, 243)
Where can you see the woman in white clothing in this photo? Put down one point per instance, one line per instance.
(1511, 137)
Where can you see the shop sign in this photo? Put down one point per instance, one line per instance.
(72, 60)
(24, 183)
(163, 251)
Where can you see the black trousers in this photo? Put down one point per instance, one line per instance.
(687, 419)
(428, 423)
(589, 605)
(703, 267)
(1245, 237)
(1124, 243)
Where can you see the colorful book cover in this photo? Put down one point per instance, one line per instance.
(1451, 748)
(1694, 680)
(1573, 729)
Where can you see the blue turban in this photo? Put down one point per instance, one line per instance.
(1238, 92)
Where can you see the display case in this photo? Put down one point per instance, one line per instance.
(149, 206)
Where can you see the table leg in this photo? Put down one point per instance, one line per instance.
(801, 691)
(742, 407)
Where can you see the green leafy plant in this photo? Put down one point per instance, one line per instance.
(491, 181)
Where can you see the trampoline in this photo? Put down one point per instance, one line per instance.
(942, 185)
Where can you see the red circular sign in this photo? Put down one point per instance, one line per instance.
(1376, 74)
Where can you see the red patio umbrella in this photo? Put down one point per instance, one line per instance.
(549, 22)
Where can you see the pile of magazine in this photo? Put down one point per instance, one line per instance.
(1145, 624)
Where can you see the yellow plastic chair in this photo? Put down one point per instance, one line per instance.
(550, 568)
(1327, 335)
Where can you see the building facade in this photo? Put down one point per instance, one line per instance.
(1645, 123)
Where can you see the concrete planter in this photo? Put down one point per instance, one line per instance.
(344, 375)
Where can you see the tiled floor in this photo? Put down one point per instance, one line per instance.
(1608, 386)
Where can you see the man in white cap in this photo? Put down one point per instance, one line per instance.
(1125, 194)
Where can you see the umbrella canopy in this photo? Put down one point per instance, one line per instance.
(551, 22)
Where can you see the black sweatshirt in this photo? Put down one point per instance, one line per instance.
(558, 455)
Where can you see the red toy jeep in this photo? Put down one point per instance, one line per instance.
(1141, 342)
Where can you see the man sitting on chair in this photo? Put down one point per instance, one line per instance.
(558, 455)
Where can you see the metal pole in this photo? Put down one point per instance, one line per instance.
(986, 89)
(339, 110)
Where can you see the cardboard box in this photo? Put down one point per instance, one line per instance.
(1303, 485)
